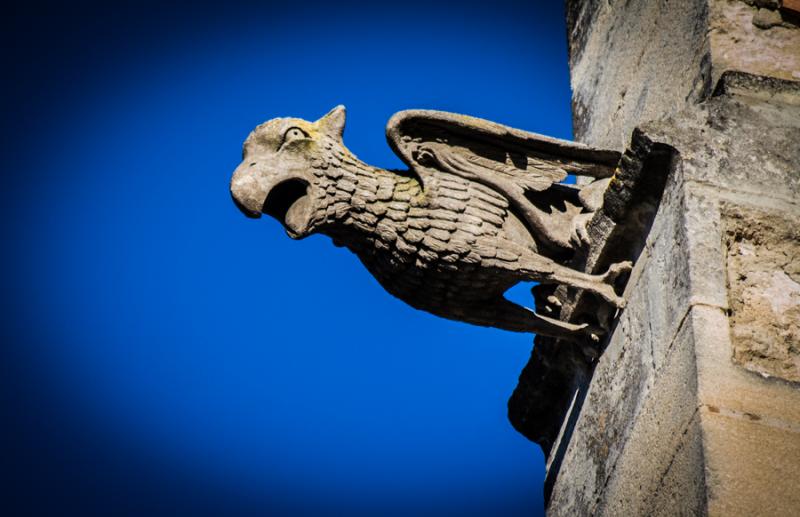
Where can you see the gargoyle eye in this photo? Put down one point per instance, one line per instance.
(292, 134)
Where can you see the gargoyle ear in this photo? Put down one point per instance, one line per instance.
(333, 122)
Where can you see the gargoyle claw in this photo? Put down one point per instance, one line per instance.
(610, 276)
(616, 270)
(580, 235)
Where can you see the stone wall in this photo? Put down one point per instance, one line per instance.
(693, 406)
(632, 62)
(621, 75)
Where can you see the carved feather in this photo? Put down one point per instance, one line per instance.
(530, 174)
(509, 161)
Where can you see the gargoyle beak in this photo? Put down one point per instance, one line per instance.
(246, 211)
(284, 198)
(247, 194)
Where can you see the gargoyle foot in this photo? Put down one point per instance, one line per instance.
(616, 270)
(610, 276)
(601, 285)
(579, 236)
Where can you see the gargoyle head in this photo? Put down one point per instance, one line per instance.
(286, 170)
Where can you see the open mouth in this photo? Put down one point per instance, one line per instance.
(289, 203)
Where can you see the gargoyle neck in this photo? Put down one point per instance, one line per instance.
(359, 196)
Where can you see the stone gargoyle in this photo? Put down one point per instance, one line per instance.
(480, 210)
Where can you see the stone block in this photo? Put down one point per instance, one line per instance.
(621, 379)
(682, 490)
(622, 76)
(706, 263)
(638, 77)
(694, 406)
(722, 384)
(638, 360)
(752, 39)
(743, 139)
(752, 468)
(659, 430)
(660, 301)
(763, 263)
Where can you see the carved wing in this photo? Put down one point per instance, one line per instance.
(481, 148)
(508, 160)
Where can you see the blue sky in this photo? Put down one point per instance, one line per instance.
(166, 355)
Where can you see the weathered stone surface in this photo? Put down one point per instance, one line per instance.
(744, 138)
(632, 422)
(599, 436)
(622, 76)
(751, 464)
(657, 431)
(763, 262)
(682, 489)
(722, 248)
(753, 39)
(694, 406)
(724, 384)
(766, 18)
